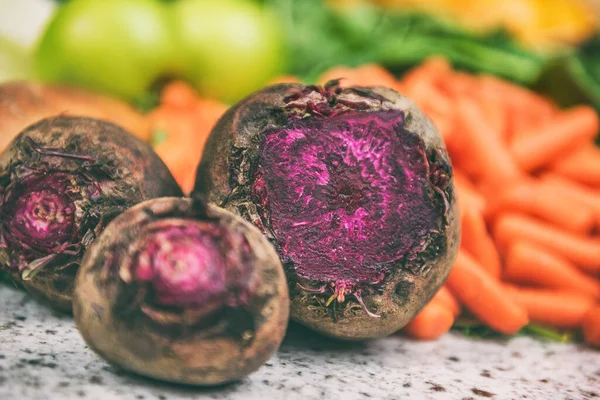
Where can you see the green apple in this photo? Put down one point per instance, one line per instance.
(231, 47)
(116, 46)
(14, 61)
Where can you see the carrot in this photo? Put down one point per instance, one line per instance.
(445, 296)
(365, 75)
(516, 98)
(591, 326)
(485, 297)
(462, 179)
(177, 150)
(494, 114)
(445, 126)
(178, 94)
(582, 251)
(529, 264)
(434, 69)
(487, 151)
(561, 309)
(428, 97)
(526, 114)
(376, 75)
(544, 202)
(184, 121)
(582, 165)
(433, 321)
(459, 85)
(560, 135)
(575, 191)
(468, 199)
(477, 241)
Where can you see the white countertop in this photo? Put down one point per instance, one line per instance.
(43, 357)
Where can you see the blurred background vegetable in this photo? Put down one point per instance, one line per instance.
(539, 24)
(14, 61)
(119, 47)
(575, 77)
(320, 37)
(226, 49)
(230, 47)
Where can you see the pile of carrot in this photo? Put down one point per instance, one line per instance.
(527, 179)
(180, 126)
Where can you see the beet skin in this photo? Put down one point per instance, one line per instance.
(61, 181)
(354, 189)
(184, 292)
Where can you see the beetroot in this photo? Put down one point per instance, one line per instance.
(61, 181)
(353, 187)
(184, 292)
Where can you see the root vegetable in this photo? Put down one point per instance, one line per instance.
(180, 291)
(61, 181)
(354, 188)
(25, 103)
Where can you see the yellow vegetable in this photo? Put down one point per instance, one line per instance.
(540, 24)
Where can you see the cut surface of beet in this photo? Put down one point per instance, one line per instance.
(183, 262)
(347, 196)
(38, 213)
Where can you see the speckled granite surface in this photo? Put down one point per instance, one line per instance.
(43, 357)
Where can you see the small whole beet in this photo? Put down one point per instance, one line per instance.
(61, 181)
(182, 291)
(354, 189)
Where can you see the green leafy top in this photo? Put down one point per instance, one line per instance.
(320, 37)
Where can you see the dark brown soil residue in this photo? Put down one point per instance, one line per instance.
(436, 388)
(482, 393)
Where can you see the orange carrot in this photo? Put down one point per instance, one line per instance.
(582, 251)
(487, 151)
(561, 309)
(467, 194)
(485, 297)
(477, 241)
(447, 298)
(518, 99)
(575, 191)
(544, 202)
(433, 321)
(461, 178)
(582, 165)
(434, 69)
(527, 114)
(591, 326)
(494, 114)
(184, 121)
(178, 94)
(560, 135)
(177, 150)
(445, 126)
(459, 85)
(428, 97)
(365, 75)
(376, 75)
(468, 200)
(529, 264)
